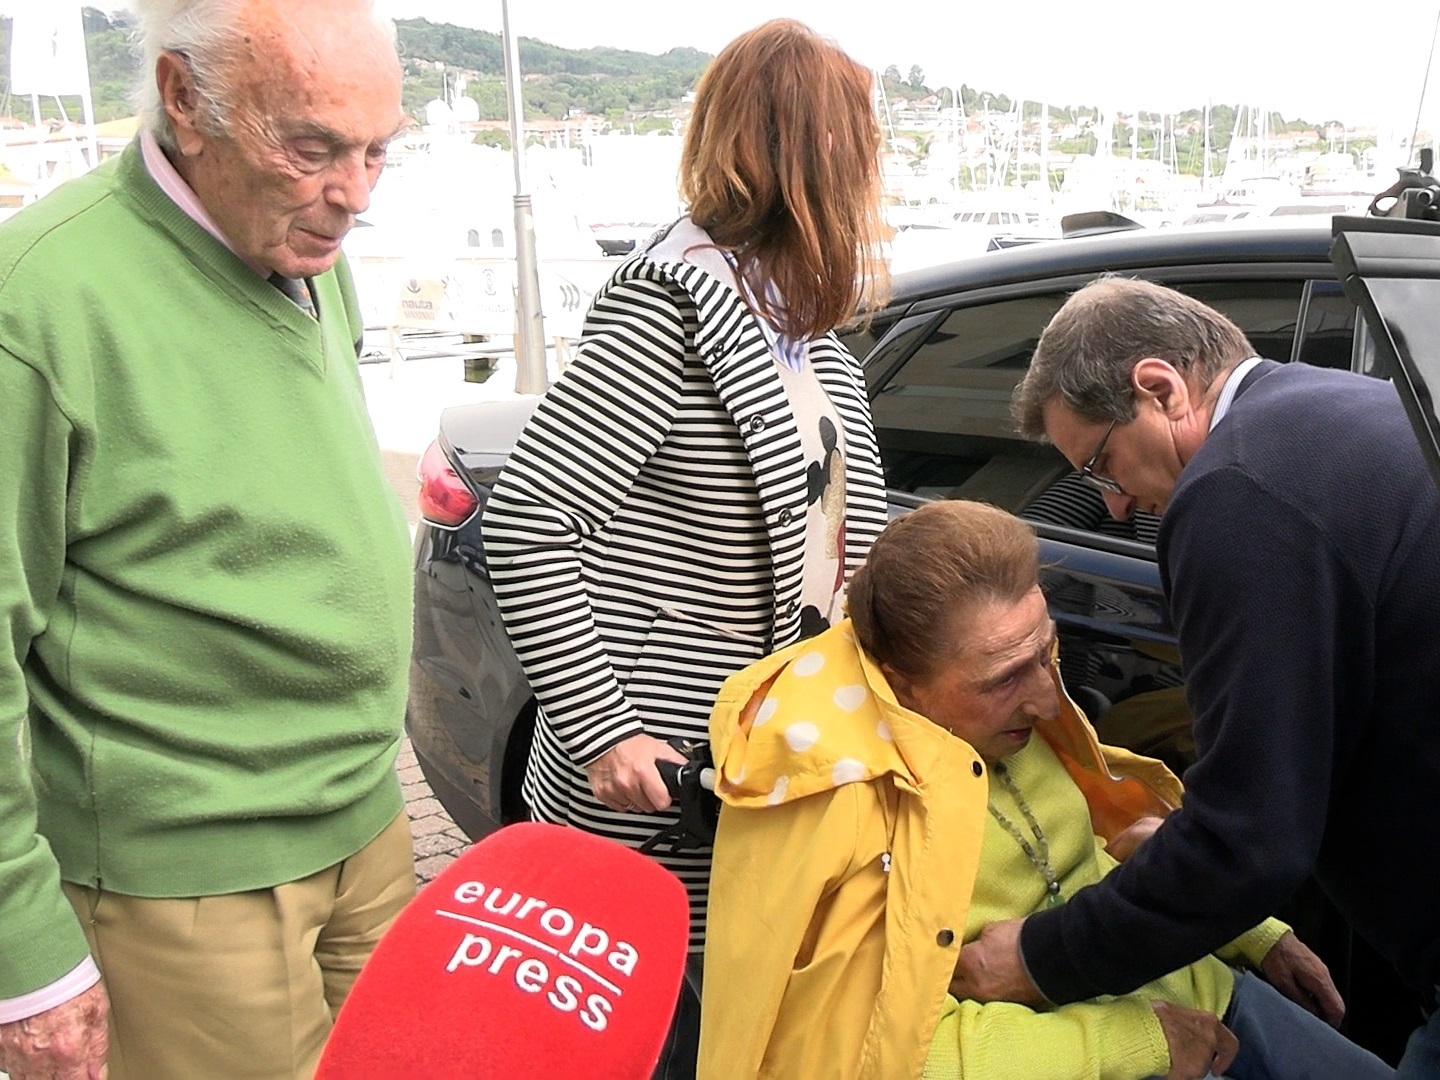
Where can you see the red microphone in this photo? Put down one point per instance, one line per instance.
(541, 952)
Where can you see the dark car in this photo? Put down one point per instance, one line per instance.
(940, 362)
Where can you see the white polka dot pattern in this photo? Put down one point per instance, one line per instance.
(802, 736)
(848, 770)
(820, 714)
(811, 663)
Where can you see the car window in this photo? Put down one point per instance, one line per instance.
(1330, 319)
(881, 360)
(943, 416)
(1268, 311)
(860, 338)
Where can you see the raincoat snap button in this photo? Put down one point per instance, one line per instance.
(977, 768)
(945, 938)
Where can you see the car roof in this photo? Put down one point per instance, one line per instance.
(1126, 250)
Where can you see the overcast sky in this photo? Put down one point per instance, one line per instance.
(1348, 61)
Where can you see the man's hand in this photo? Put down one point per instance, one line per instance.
(1200, 1045)
(1123, 844)
(990, 969)
(67, 1042)
(1302, 976)
(625, 777)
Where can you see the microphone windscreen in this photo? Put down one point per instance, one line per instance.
(541, 952)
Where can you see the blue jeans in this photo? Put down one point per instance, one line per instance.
(1281, 1041)
(1422, 1052)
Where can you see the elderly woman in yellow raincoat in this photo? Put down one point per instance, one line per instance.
(884, 798)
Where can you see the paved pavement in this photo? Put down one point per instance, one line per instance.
(437, 840)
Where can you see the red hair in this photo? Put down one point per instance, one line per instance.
(781, 166)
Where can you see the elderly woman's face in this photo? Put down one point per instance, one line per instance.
(997, 683)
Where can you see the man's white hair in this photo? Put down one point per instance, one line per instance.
(207, 34)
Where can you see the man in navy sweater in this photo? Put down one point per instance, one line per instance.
(1300, 554)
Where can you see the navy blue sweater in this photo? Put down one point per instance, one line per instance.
(1300, 555)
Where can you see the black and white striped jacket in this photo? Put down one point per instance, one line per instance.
(646, 537)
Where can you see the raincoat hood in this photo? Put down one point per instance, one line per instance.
(825, 718)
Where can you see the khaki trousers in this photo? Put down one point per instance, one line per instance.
(245, 984)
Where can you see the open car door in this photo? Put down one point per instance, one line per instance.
(1390, 270)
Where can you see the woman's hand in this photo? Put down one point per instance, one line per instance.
(625, 777)
(1123, 844)
(1200, 1045)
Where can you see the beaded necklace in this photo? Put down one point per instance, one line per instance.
(1039, 852)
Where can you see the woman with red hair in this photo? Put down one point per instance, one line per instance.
(695, 489)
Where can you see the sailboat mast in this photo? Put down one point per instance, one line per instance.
(1205, 169)
(882, 102)
(1045, 145)
(1236, 134)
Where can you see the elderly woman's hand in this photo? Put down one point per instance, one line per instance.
(1123, 844)
(625, 777)
(1200, 1045)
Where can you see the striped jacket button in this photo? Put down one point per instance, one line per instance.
(757, 424)
(786, 516)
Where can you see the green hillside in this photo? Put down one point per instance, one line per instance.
(614, 83)
(622, 87)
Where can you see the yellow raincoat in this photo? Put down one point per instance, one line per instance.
(846, 854)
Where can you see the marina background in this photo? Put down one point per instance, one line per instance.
(1149, 114)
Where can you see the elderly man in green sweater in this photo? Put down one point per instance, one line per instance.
(204, 588)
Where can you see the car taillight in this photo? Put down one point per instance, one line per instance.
(444, 499)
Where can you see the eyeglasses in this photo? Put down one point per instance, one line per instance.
(1104, 483)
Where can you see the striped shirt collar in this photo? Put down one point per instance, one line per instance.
(687, 242)
(790, 351)
(1230, 389)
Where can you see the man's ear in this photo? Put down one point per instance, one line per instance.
(181, 101)
(1157, 382)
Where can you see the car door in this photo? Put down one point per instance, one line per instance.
(1389, 268)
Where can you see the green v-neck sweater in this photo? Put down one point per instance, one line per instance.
(204, 578)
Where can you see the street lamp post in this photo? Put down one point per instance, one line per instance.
(530, 375)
